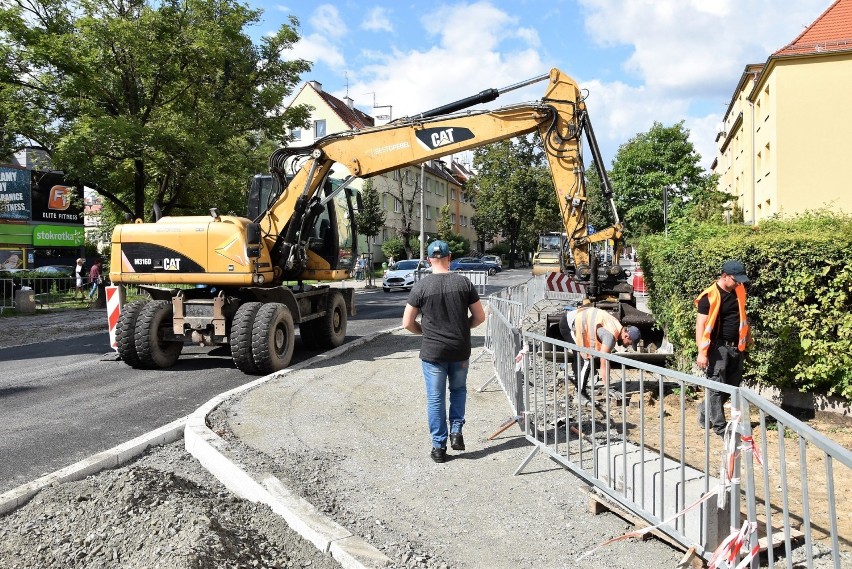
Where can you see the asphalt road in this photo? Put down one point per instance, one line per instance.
(63, 401)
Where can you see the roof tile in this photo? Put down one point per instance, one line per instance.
(832, 31)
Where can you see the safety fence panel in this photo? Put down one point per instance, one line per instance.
(478, 278)
(797, 485)
(7, 294)
(638, 439)
(504, 340)
(48, 291)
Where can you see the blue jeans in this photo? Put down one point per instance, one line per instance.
(436, 376)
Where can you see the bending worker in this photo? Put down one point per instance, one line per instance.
(597, 329)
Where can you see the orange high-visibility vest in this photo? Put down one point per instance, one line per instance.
(586, 325)
(715, 299)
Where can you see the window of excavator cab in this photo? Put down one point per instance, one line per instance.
(337, 215)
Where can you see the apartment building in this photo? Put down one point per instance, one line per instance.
(784, 145)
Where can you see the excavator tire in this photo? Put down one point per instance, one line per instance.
(125, 332)
(273, 338)
(154, 352)
(240, 338)
(328, 331)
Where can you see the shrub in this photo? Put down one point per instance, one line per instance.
(800, 305)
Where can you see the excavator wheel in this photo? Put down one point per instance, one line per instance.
(240, 338)
(153, 351)
(125, 332)
(273, 338)
(328, 331)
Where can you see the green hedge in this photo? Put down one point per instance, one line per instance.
(799, 297)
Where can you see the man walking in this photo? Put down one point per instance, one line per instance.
(599, 330)
(722, 334)
(449, 307)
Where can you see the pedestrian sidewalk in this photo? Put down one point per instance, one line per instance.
(347, 430)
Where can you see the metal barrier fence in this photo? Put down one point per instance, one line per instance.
(773, 479)
(48, 290)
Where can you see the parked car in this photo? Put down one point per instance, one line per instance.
(402, 275)
(493, 259)
(56, 270)
(473, 264)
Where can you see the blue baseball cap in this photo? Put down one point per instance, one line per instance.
(438, 249)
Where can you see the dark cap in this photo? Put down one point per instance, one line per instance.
(634, 334)
(438, 249)
(736, 270)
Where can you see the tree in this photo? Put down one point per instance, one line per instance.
(459, 244)
(370, 217)
(406, 202)
(652, 166)
(511, 182)
(145, 101)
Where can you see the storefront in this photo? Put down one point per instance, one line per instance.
(41, 219)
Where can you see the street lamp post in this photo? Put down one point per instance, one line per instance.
(422, 192)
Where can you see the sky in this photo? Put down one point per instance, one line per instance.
(640, 61)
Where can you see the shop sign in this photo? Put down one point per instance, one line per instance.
(56, 200)
(14, 193)
(58, 236)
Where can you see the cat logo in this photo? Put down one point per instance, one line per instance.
(171, 264)
(433, 138)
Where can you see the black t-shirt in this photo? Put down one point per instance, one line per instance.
(727, 326)
(443, 300)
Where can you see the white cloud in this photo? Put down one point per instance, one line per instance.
(699, 46)
(318, 49)
(377, 20)
(327, 21)
(465, 59)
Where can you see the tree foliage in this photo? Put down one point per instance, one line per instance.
(406, 201)
(514, 194)
(799, 300)
(142, 100)
(370, 217)
(657, 164)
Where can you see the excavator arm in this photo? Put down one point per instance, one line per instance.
(559, 117)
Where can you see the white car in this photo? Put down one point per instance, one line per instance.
(403, 274)
(493, 259)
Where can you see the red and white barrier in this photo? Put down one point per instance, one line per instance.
(639, 282)
(560, 282)
(113, 302)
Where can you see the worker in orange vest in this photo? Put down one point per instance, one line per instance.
(722, 334)
(599, 330)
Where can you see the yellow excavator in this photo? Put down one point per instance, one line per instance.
(227, 280)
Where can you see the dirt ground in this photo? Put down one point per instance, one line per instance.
(815, 463)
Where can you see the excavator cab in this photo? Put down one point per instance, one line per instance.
(329, 237)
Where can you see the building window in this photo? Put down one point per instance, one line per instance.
(439, 189)
(428, 212)
(296, 133)
(397, 205)
(408, 177)
(453, 194)
(453, 219)
(319, 128)
(428, 184)
(396, 175)
(385, 202)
